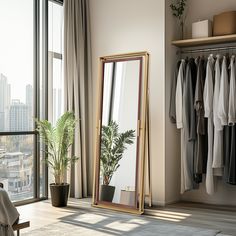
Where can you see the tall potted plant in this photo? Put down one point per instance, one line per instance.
(113, 145)
(57, 140)
(178, 10)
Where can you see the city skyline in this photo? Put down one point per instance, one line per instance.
(15, 115)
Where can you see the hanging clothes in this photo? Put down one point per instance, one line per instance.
(203, 106)
(232, 93)
(231, 179)
(172, 107)
(223, 104)
(180, 114)
(224, 94)
(179, 95)
(230, 163)
(208, 105)
(189, 121)
(218, 128)
(201, 156)
(223, 108)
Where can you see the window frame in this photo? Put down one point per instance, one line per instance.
(37, 96)
(34, 133)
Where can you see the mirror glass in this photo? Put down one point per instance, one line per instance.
(119, 132)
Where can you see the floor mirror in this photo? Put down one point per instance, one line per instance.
(120, 138)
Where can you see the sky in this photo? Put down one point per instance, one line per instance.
(16, 44)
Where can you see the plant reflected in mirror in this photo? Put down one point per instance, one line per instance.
(113, 145)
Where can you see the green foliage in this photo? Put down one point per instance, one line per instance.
(57, 140)
(178, 8)
(113, 145)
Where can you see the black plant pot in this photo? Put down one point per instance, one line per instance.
(107, 193)
(59, 194)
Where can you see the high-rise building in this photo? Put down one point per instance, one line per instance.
(29, 104)
(5, 100)
(16, 168)
(18, 116)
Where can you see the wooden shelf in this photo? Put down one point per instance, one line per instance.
(205, 41)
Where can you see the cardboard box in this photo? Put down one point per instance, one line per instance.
(202, 29)
(224, 23)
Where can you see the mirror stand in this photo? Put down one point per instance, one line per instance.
(122, 156)
(148, 174)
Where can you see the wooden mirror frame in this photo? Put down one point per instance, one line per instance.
(141, 133)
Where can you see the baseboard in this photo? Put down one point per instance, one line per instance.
(162, 203)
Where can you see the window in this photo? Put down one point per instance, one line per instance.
(31, 85)
(55, 73)
(16, 165)
(17, 99)
(16, 65)
(55, 68)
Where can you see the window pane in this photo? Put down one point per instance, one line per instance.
(55, 68)
(17, 166)
(58, 104)
(55, 13)
(16, 65)
(42, 91)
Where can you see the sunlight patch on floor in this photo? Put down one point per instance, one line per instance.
(122, 226)
(138, 221)
(90, 218)
(174, 213)
(170, 215)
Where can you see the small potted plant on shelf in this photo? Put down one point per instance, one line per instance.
(57, 140)
(178, 10)
(113, 145)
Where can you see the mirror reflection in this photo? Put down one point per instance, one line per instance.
(119, 134)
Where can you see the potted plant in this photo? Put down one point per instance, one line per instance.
(178, 10)
(57, 140)
(113, 145)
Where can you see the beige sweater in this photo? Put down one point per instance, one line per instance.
(8, 214)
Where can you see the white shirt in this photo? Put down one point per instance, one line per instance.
(208, 88)
(218, 128)
(208, 104)
(232, 93)
(224, 94)
(179, 96)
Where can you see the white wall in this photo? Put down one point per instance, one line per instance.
(122, 26)
(172, 135)
(205, 9)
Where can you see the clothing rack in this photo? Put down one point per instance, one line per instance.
(206, 49)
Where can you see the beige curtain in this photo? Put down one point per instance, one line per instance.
(78, 89)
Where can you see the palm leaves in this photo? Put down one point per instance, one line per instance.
(58, 140)
(113, 145)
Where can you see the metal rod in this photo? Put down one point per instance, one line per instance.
(206, 50)
(10, 133)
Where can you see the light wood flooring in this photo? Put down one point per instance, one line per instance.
(188, 214)
(221, 218)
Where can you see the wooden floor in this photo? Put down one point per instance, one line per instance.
(188, 214)
(42, 213)
(221, 218)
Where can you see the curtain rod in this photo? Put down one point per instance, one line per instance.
(206, 50)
